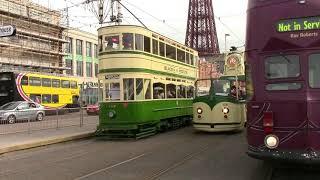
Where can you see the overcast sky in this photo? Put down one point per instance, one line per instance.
(167, 17)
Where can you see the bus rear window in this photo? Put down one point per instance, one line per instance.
(286, 66)
(314, 71)
(283, 86)
(35, 81)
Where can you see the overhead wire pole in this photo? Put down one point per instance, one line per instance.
(131, 13)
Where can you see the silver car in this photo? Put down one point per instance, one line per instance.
(21, 110)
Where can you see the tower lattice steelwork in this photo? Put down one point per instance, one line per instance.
(201, 30)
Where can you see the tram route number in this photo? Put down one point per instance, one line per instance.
(112, 76)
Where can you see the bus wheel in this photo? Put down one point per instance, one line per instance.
(39, 117)
(11, 119)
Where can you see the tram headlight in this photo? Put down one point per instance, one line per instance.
(199, 111)
(271, 141)
(225, 110)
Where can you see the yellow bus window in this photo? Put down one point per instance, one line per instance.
(65, 84)
(55, 99)
(46, 98)
(35, 81)
(56, 83)
(24, 80)
(74, 84)
(46, 82)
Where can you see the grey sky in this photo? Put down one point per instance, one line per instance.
(168, 17)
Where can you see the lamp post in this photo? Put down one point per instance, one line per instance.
(225, 41)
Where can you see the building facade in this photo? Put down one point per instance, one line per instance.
(38, 43)
(82, 62)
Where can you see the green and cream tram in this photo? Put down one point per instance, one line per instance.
(148, 82)
(219, 104)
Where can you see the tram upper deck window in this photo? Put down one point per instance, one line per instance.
(188, 58)
(191, 59)
(314, 70)
(170, 52)
(127, 41)
(112, 43)
(158, 91)
(139, 42)
(171, 91)
(162, 49)
(147, 44)
(282, 67)
(181, 55)
(155, 49)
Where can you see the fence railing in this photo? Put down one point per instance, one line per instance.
(28, 120)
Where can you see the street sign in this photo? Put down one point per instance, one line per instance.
(7, 31)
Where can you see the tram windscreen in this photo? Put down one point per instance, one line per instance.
(218, 87)
(221, 87)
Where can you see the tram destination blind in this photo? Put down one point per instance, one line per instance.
(299, 24)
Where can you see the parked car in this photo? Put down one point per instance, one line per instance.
(21, 110)
(93, 109)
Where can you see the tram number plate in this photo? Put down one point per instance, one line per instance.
(112, 76)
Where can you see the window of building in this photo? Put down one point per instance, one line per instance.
(155, 47)
(79, 47)
(65, 84)
(56, 83)
(139, 42)
(139, 89)
(55, 99)
(147, 89)
(46, 82)
(127, 41)
(170, 52)
(24, 80)
(147, 44)
(162, 49)
(69, 64)
(96, 69)
(285, 66)
(35, 81)
(88, 49)
(128, 89)
(79, 68)
(314, 71)
(73, 84)
(95, 49)
(181, 55)
(100, 44)
(181, 91)
(46, 98)
(69, 45)
(111, 43)
(158, 91)
(89, 69)
(171, 91)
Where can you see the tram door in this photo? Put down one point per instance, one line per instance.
(238, 91)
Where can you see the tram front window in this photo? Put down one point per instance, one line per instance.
(221, 87)
(203, 87)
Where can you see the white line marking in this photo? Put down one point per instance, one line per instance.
(109, 167)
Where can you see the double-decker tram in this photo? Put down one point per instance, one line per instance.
(283, 80)
(219, 103)
(49, 90)
(147, 79)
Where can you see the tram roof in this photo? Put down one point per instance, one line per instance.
(146, 29)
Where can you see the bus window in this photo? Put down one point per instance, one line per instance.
(46, 98)
(139, 89)
(147, 89)
(170, 52)
(171, 91)
(73, 84)
(36, 98)
(65, 84)
(155, 49)
(181, 55)
(55, 99)
(282, 66)
(56, 83)
(127, 41)
(314, 71)
(139, 42)
(128, 89)
(162, 49)
(190, 91)
(147, 44)
(46, 82)
(111, 42)
(181, 90)
(35, 81)
(158, 91)
(24, 80)
(283, 86)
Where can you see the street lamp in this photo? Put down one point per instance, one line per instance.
(225, 41)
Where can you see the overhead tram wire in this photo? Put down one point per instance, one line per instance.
(229, 29)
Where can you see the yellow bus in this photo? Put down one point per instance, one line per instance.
(48, 90)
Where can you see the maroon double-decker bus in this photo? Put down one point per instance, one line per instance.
(283, 80)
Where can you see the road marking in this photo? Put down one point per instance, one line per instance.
(109, 167)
